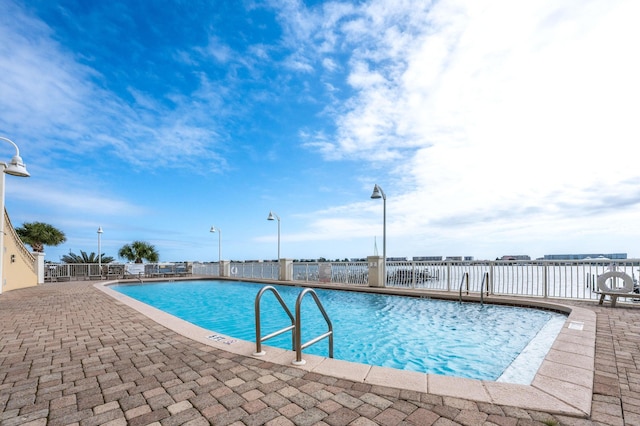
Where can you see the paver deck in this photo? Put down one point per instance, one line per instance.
(71, 354)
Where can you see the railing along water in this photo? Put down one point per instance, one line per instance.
(564, 279)
(570, 279)
(258, 270)
(350, 273)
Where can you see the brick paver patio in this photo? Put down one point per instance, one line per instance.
(71, 355)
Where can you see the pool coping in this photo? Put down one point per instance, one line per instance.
(562, 385)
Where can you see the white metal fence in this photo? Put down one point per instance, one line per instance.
(558, 279)
(355, 273)
(258, 270)
(82, 271)
(93, 271)
(570, 279)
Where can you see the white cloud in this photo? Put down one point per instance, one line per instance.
(218, 50)
(497, 116)
(329, 64)
(485, 122)
(46, 90)
(41, 90)
(534, 111)
(77, 203)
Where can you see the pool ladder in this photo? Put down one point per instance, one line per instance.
(465, 283)
(295, 326)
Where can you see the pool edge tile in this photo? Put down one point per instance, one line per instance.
(401, 379)
(576, 360)
(457, 387)
(528, 397)
(343, 369)
(565, 373)
(570, 393)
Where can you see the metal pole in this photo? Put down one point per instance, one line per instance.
(273, 216)
(219, 231)
(2, 167)
(379, 193)
(384, 238)
(17, 168)
(99, 251)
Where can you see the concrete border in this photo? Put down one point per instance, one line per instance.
(562, 385)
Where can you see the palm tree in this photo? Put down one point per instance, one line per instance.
(38, 234)
(138, 251)
(84, 258)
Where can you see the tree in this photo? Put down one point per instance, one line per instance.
(138, 251)
(38, 234)
(84, 258)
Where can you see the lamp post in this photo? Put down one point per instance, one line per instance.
(16, 168)
(99, 251)
(219, 231)
(379, 193)
(273, 216)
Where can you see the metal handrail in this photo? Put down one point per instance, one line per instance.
(485, 278)
(465, 278)
(259, 338)
(297, 341)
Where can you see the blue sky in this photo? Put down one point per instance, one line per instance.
(493, 127)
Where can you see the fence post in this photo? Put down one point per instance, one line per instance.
(413, 274)
(545, 280)
(286, 270)
(491, 277)
(39, 266)
(225, 268)
(376, 271)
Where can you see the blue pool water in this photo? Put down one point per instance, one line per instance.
(431, 336)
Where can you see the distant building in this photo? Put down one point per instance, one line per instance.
(441, 258)
(427, 258)
(612, 256)
(516, 257)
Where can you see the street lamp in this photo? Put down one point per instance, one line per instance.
(273, 216)
(16, 168)
(99, 251)
(219, 231)
(379, 193)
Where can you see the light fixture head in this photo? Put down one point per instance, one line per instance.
(377, 192)
(213, 229)
(270, 217)
(100, 230)
(16, 167)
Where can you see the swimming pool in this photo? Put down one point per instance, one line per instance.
(417, 334)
